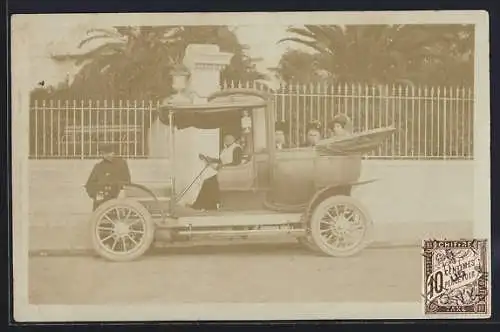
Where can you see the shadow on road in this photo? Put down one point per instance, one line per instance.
(227, 248)
(234, 249)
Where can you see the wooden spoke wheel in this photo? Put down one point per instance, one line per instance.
(122, 230)
(340, 226)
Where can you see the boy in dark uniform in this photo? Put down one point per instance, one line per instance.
(107, 177)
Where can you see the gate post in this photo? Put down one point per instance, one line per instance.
(205, 63)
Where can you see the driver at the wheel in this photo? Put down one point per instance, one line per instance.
(209, 195)
(107, 177)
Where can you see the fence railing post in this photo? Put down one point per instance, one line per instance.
(445, 118)
(36, 138)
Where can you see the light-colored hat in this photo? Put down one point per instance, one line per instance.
(341, 119)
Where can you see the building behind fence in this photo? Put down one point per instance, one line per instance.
(435, 122)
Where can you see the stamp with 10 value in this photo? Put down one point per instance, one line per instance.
(456, 276)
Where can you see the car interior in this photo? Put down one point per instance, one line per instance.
(239, 177)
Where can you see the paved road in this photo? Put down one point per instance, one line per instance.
(238, 273)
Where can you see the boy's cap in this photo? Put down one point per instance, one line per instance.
(105, 148)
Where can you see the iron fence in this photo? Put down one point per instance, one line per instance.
(431, 122)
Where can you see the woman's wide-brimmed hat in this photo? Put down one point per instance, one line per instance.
(341, 119)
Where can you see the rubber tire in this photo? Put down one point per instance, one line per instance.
(308, 242)
(335, 200)
(149, 231)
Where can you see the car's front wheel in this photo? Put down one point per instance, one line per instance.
(122, 230)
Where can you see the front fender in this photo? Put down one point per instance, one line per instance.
(149, 192)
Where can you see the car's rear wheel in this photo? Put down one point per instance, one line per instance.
(122, 230)
(340, 226)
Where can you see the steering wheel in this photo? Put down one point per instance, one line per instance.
(204, 158)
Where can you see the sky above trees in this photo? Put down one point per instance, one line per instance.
(261, 41)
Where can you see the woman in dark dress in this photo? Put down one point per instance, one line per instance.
(209, 196)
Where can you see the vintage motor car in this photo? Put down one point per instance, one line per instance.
(304, 192)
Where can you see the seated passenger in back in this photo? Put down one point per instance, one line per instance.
(279, 136)
(340, 126)
(313, 134)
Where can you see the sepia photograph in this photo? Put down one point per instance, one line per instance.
(208, 166)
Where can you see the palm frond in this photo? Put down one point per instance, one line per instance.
(98, 51)
(103, 31)
(89, 39)
(312, 44)
(126, 31)
(301, 32)
(332, 36)
(64, 57)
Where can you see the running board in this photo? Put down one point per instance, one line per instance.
(235, 219)
(231, 233)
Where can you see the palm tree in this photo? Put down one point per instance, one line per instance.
(128, 61)
(297, 66)
(135, 62)
(379, 53)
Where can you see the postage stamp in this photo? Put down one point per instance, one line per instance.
(456, 276)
